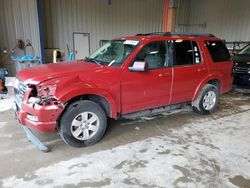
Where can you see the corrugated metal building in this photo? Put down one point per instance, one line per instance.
(18, 20)
(102, 19)
(228, 19)
(106, 19)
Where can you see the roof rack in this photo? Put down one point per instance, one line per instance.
(148, 34)
(189, 34)
(176, 33)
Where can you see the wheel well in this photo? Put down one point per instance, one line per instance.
(95, 98)
(216, 83)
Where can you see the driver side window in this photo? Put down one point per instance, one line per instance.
(154, 54)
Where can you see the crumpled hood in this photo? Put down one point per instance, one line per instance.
(38, 74)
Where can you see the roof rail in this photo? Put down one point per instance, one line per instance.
(188, 34)
(176, 33)
(148, 34)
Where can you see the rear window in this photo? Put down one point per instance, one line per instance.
(218, 51)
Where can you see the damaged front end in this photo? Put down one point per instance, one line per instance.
(43, 95)
(36, 107)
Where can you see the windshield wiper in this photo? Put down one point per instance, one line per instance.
(92, 60)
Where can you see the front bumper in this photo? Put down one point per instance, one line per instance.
(242, 79)
(46, 115)
(32, 137)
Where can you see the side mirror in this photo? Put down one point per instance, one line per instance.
(139, 66)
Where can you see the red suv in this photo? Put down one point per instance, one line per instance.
(141, 74)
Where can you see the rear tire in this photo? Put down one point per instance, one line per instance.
(83, 123)
(207, 100)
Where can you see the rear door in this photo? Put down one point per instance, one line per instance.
(144, 90)
(189, 70)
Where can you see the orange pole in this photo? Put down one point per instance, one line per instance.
(165, 15)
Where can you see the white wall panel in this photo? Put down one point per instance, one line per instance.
(97, 17)
(18, 20)
(228, 19)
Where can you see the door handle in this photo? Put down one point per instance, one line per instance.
(163, 74)
(200, 69)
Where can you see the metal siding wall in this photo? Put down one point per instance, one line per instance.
(18, 20)
(228, 19)
(102, 21)
(182, 14)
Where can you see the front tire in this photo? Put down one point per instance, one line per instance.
(83, 123)
(207, 101)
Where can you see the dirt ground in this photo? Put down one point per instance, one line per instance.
(177, 149)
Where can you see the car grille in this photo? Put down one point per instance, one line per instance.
(19, 93)
(241, 70)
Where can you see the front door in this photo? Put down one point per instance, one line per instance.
(144, 90)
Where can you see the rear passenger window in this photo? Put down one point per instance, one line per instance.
(186, 52)
(218, 51)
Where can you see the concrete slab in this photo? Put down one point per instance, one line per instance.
(178, 149)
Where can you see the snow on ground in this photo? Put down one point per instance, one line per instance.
(211, 153)
(242, 90)
(6, 102)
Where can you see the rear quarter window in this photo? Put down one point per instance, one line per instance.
(218, 51)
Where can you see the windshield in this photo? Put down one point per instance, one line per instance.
(245, 51)
(113, 53)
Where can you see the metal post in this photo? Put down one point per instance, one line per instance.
(165, 15)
